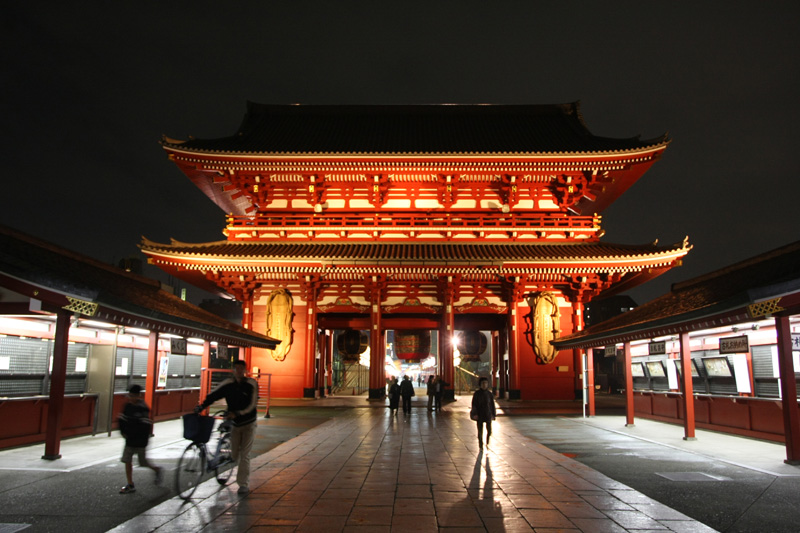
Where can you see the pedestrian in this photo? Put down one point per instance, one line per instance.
(136, 426)
(241, 396)
(394, 397)
(406, 391)
(431, 392)
(439, 385)
(483, 410)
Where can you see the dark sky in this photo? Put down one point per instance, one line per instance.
(88, 89)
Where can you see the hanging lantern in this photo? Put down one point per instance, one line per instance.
(472, 344)
(413, 345)
(352, 343)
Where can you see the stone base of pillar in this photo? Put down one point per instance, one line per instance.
(377, 394)
(514, 394)
(322, 392)
(309, 393)
(449, 395)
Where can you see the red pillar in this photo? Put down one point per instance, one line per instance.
(58, 378)
(495, 382)
(377, 354)
(628, 385)
(247, 323)
(688, 390)
(151, 381)
(446, 332)
(791, 419)
(205, 364)
(514, 381)
(590, 380)
(310, 384)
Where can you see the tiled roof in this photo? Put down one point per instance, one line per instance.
(409, 129)
(41, 264)
(734, 287)
(379, 251)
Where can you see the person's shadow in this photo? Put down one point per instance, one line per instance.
(481, 492)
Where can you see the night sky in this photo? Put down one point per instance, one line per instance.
(89, 88)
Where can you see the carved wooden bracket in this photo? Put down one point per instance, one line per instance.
(379, 190)
(449, 288)
(375, 286)
(309, 287)
(584, 287)
(241, 286)
(570, 189)
(447, 188)
(508, 190)
(317, 189)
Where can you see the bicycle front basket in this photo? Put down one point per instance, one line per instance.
(197, 428)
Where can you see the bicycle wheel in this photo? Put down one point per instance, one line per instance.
(225, 462)
(191, 467)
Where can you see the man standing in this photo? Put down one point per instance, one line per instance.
(406, 391)
(241, 395)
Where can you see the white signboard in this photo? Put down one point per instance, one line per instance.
(162, 371)
(672, 374)
(742, 372)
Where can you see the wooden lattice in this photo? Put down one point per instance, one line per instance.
(767, 307)
(80, 306)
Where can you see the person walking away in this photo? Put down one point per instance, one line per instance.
(394, 397)
(406, 391)
(431, 392)
(439, 385)
(136, 426)
(241, 396)
(483, 410)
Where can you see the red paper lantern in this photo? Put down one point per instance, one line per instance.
(413, 345)
(472, 344)
(351, 344)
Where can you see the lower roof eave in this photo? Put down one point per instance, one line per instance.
(731, 312)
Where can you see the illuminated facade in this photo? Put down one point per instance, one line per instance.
(448, 218)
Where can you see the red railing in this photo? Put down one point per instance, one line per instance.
(453, 220)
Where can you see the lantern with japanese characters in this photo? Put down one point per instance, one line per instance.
(352, 343)
(413, 345)
(471, 344)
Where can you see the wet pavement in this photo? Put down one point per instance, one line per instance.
(358, 469)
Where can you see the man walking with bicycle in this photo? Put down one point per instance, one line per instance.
(241, 396)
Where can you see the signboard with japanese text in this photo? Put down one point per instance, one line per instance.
(657, 348)
(734, 345)
(177, 346)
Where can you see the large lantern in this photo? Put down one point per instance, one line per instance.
(472, 344)
(352, 343)
(412, 345)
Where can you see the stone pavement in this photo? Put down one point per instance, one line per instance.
(366, 471)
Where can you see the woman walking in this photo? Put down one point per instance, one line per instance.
(483, 410)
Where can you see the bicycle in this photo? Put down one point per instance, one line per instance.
(196, 462)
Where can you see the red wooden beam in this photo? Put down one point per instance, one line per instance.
(791, 417)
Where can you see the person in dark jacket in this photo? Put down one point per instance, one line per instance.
(483, 410)
(136, 426)
(438, 386)
(406, 391)
(431, 392)
(241, 396)
(394, 397)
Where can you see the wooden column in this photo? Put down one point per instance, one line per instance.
(628, 384)
(590, 380)
(58, 378)
(502, 364)
(791, 419)
(688, 388)
(377, 346)
(496, 356)
(205, 364)
(310, 381)
(247, 323)
(446, 348)
(514, 382)
(151, 380)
